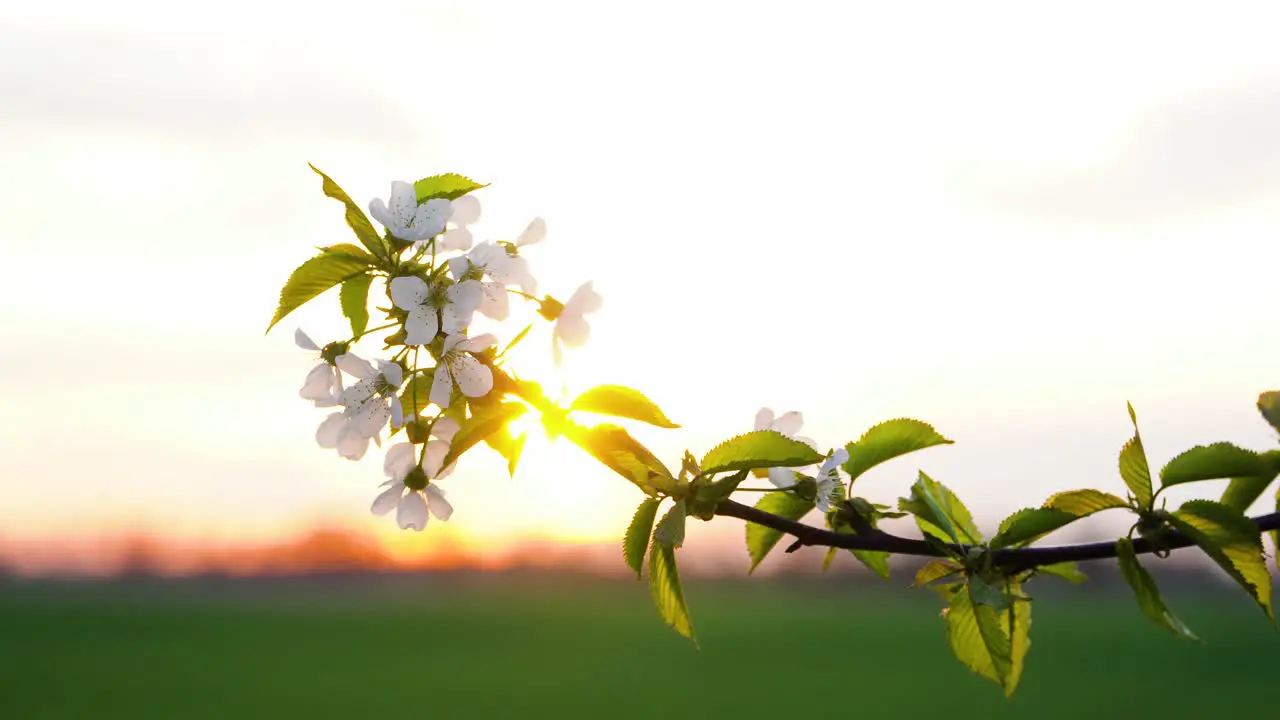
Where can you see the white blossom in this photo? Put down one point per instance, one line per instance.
(406, 219)
(367, 405)
(489, 259)
(413, 503)
(457, 366)
(455, 304)
(535, 233)
(323, 385)
(466, 211)
(828, 479)
(571, 327)
(788, 424)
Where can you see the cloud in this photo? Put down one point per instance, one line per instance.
(1200, 153)
(216, 86)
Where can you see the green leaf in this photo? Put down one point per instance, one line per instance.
(510, 448)
(761, 539)
(889, 440)
(980, 640)
(623, 454)
(758, 449)
(636, 541)
(479, 426)
(354, 298)
(664, 586)
(1144, 588)
(356, 219)
(1083, 503)
(1242, 492)
(877, 561)
(940, 513)
(670, 530)
(1269, 406)
(314, 277)
(1030, 524)
(620, 401)
(1068, 571)
(1212, 462)
(1133, 465)
(449, 186)
(352, 251)
(1232, 540)
(936, 569)
(707, 495)
(1017, 623)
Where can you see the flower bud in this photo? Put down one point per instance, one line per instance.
(333, 351)
(550, 308)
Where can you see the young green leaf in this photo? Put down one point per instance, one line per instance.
(1212, 462)
(354, 298)
(1269, 406)
(875, 560)
(761, 539)
(1232, 540)
(1083, 503)
(480, 425)
(1068, 571)
(1144, 588)
(449, 186)
(664, 585)
(708, 495)
(940, 513)
(977, 638)
(508, 447)
(313, 277)
(620, 401)
(636, 541)
(1030, 524)
(757, 449)
(1242, 492)
(889, 440)
(356, 219)
(1133, 465)
(670, 530)
(623, 454)
(936, 569)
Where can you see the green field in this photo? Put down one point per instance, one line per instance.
(509, 647)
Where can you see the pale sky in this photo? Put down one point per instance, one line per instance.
(1005, 218)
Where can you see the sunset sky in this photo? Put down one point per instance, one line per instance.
(1006, 219)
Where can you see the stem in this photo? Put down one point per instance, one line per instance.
(1010, 560)
(388, 326)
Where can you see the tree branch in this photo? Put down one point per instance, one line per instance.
(1008, 559)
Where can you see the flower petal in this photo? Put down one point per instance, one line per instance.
(440, 507)
(429, 217)
(392, 372)
(352, 445)
(584, 300)
(398, 461)
(479, 343)
(404, 202)
(441, 387)
(535, 233)
(496, 305)
(408, 292)
(387, 499)
(466, 210)
(788, 423)
(458, 266)
(839, 457)
(474, 378)
(421, 326)
(355, 366)
(378, 209)
(434, 456)
(782, 477)
(445, 428)
(330, 430)
(573, 330)
(764, 418)
(397, 413)
(455, 239)
(301, 340)
(411, 512)
(319, 383)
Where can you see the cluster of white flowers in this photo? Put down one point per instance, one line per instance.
(827, 475)
(431, 306)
